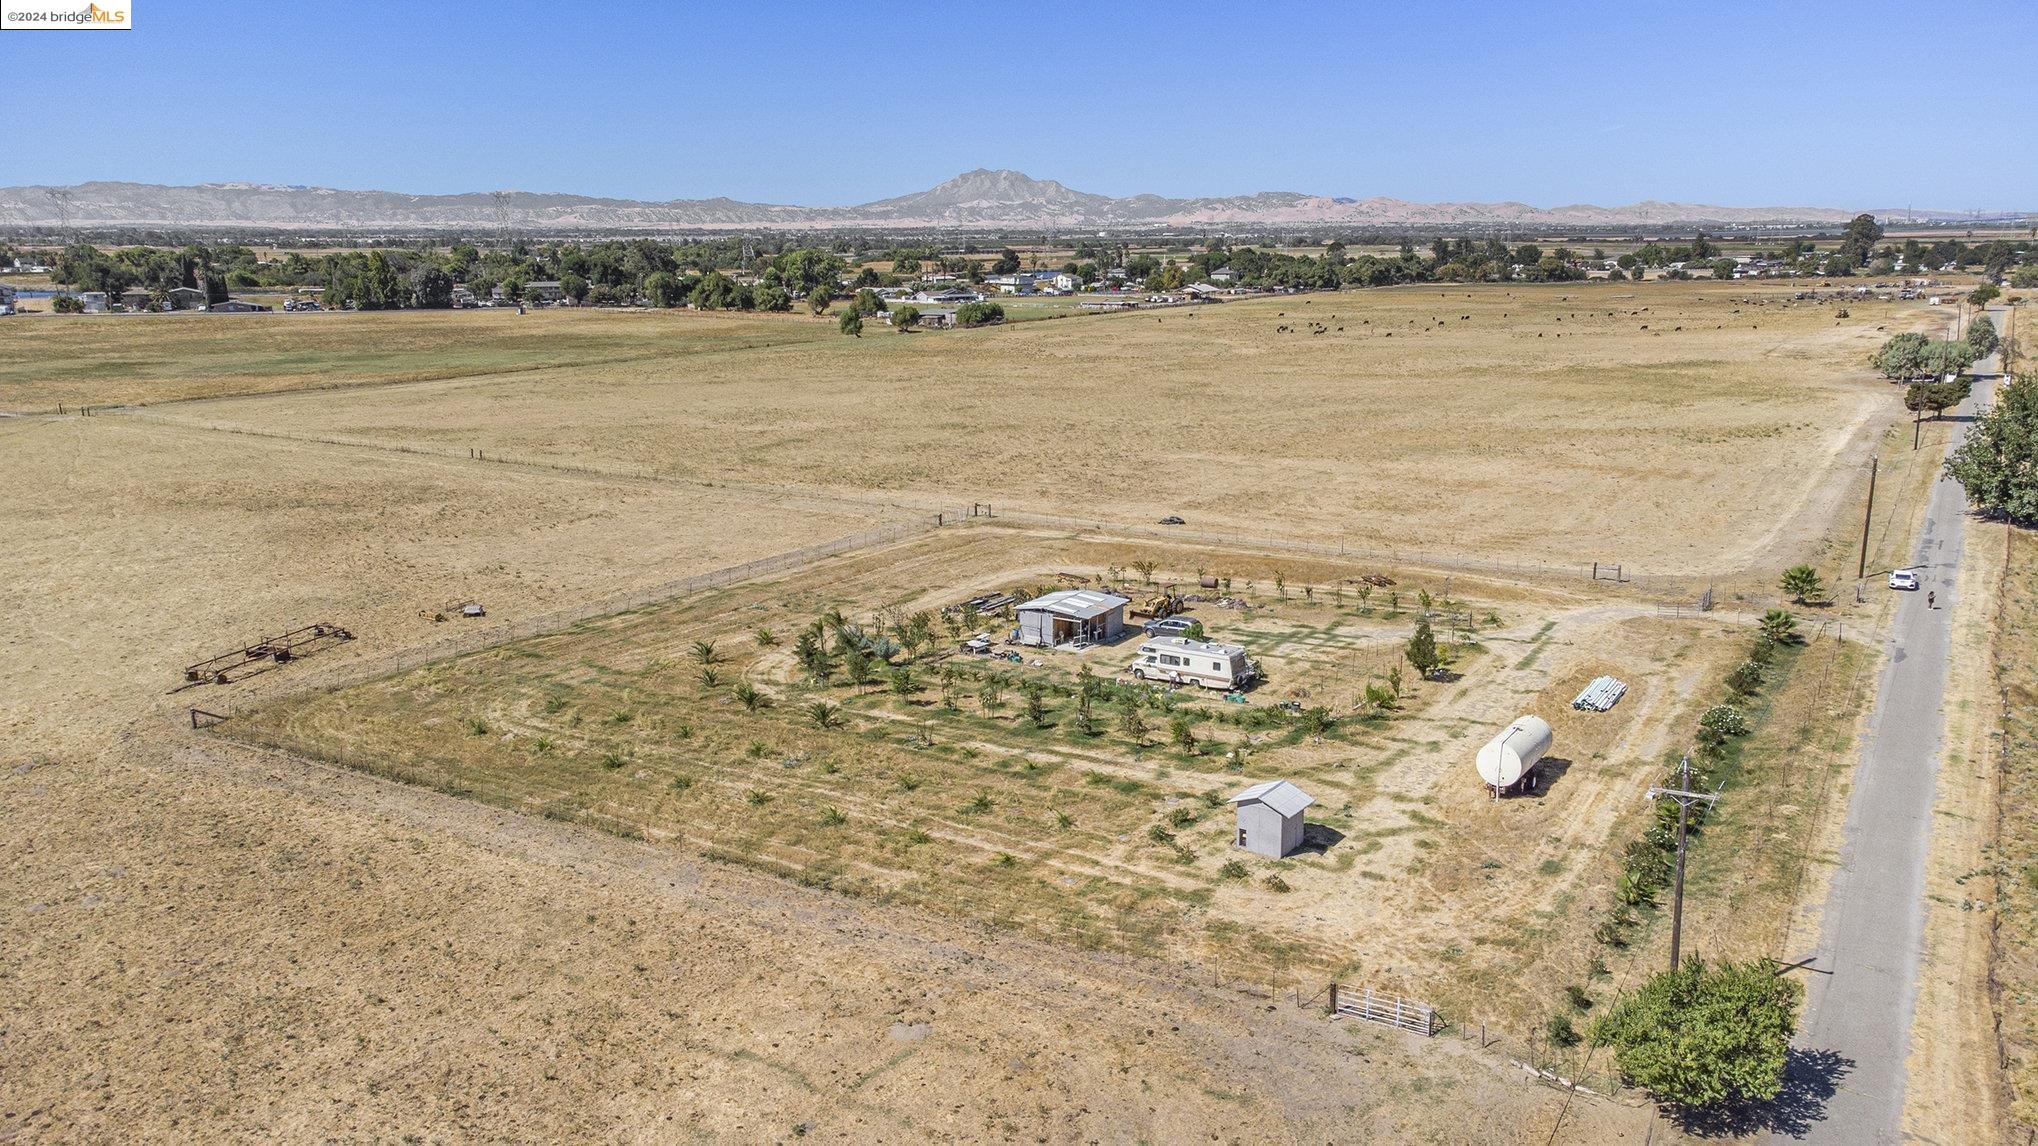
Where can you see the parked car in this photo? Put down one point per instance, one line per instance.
(1169, 626)
(1903, 579)
(1172, 520)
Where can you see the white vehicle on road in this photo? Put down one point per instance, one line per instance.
(1903, 579)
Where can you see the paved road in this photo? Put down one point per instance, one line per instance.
(1857, 1030)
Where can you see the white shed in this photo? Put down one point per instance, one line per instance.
(1270, 818)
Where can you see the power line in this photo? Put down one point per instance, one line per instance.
(1685, 798)
(61, 199)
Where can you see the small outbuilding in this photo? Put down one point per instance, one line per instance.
(1072, 615)
(1270, 818)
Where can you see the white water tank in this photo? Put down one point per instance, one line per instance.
(1509, 756)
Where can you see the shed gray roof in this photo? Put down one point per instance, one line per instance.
(1279, 795)
(1082, 604)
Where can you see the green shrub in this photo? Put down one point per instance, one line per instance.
(1703, 1036)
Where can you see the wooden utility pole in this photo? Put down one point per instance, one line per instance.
(1867, 517)
(1685, 798)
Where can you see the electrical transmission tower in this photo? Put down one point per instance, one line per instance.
(61, 200)
(1685, 798)
(502, 216)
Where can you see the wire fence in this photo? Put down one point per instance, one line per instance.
(1426, 558)
(482, 639)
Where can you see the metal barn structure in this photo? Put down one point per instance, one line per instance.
(1072, 615)
(1270, 818)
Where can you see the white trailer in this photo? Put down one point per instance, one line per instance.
(1206, 664)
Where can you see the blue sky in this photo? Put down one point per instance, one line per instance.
(1843, 104)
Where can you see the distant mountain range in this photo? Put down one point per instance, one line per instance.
(978, 200)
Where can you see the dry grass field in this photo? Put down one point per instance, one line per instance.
(148, 358)
(1682, 428)
(213, 938)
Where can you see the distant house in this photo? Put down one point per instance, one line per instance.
(184, 298)
(1224, 276)
(937, 318)
(1270, 818)
(1205, 291)
(953, 296)
(1072, 615)
(94, 301)
(235, 306)
(544, 290)
(135, 298)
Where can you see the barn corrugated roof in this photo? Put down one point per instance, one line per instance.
(1082, 604)
(1279, 795)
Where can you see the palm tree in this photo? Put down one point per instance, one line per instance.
(1801, 582)
(704, 652)
(824, 715)
(1779, 626)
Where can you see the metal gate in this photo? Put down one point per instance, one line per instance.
(1380, 1007)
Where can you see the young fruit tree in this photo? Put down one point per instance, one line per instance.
(1422, 649)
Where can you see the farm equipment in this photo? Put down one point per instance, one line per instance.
(281, 649)
(984, 603)
(1165, 603)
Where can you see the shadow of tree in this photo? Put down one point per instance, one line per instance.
(1810, 1079)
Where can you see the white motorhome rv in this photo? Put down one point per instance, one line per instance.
(1179, 660)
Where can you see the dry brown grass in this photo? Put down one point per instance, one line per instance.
(1548, 426)
(209, 941)
(212, 940)
(144, 358)
(2010, 881)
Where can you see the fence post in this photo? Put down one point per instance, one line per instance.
(1333, 998)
